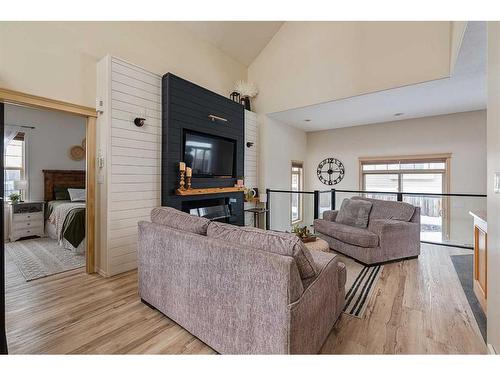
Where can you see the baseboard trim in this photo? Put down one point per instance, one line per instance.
(101, 272)
(491, 349)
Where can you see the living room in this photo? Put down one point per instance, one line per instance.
(369, 141)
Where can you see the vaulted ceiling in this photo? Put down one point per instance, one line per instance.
(241, 40)
(464, 91)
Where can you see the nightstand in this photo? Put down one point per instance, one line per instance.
(26, 219)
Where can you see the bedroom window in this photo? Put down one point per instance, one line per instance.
(14, 167)
(296, 201)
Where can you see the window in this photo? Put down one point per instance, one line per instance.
(14, 163)
(423, 174)
(296, 199)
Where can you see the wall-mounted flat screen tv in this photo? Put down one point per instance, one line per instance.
(209, 155)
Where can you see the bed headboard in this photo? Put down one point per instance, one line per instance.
(61, 178)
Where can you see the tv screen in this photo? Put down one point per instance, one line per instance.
(209, 155)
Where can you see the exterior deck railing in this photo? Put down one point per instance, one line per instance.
(334, 193)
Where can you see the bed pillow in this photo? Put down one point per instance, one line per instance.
(61, 193)
(77, 195)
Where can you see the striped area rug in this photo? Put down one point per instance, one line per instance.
(360, 287)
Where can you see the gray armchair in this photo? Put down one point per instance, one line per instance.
(393, 233)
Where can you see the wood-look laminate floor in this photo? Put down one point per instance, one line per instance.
(419, 307)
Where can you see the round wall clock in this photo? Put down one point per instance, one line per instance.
(330, 171)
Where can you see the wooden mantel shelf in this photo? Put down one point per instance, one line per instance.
(231, 189)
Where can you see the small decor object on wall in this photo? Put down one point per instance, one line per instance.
(77, 153)
(189, 173)
(182, 172)
(330, 171)
(246, 90)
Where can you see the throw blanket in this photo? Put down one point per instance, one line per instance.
(66, 218)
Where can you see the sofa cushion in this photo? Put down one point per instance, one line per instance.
(354, 213)
(389, 209)
(273, 242)
(345, 233)
(176, 219)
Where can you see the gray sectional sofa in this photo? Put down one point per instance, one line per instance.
(240, 290)
(392, 233)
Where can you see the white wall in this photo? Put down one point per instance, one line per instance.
(251, 159)
(493, 198)
(462, 134)
(312, 62)
(58, 59)
(129, 183)
(48, 144)
(280, 144)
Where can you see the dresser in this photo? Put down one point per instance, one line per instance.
(26, 219)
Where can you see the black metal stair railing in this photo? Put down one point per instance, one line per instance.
(333, 196)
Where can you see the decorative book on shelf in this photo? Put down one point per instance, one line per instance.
(231, 189)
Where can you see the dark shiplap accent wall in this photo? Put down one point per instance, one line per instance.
(186, 106)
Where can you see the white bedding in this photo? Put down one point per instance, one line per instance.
(54, 225)
(50, 231)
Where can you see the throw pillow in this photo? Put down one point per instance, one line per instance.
(354, 213)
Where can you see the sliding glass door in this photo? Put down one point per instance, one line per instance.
(413, 176)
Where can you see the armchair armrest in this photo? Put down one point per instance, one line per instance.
(314, 314)
(330, 215)
(383, 227)
(397, 237)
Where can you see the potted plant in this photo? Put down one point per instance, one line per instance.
(303, 233)
(14, 197)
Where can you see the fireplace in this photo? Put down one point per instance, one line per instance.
(216, 209)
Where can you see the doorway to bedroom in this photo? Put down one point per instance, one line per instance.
(44, 192)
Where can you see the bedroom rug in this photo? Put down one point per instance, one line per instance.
(464, 266)
(41, 257)
(360, 286)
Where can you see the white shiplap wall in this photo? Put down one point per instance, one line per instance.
(130, 180)
(251, 158)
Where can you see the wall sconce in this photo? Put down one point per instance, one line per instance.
(250, 144)
(139, 122)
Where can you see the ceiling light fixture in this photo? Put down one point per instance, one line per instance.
(399, 114)
(307, 120)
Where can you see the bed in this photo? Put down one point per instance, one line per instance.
(64, 219)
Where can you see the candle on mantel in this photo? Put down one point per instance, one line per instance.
(182, 166)
(189, 171)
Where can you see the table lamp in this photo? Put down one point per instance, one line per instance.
(21, 185)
